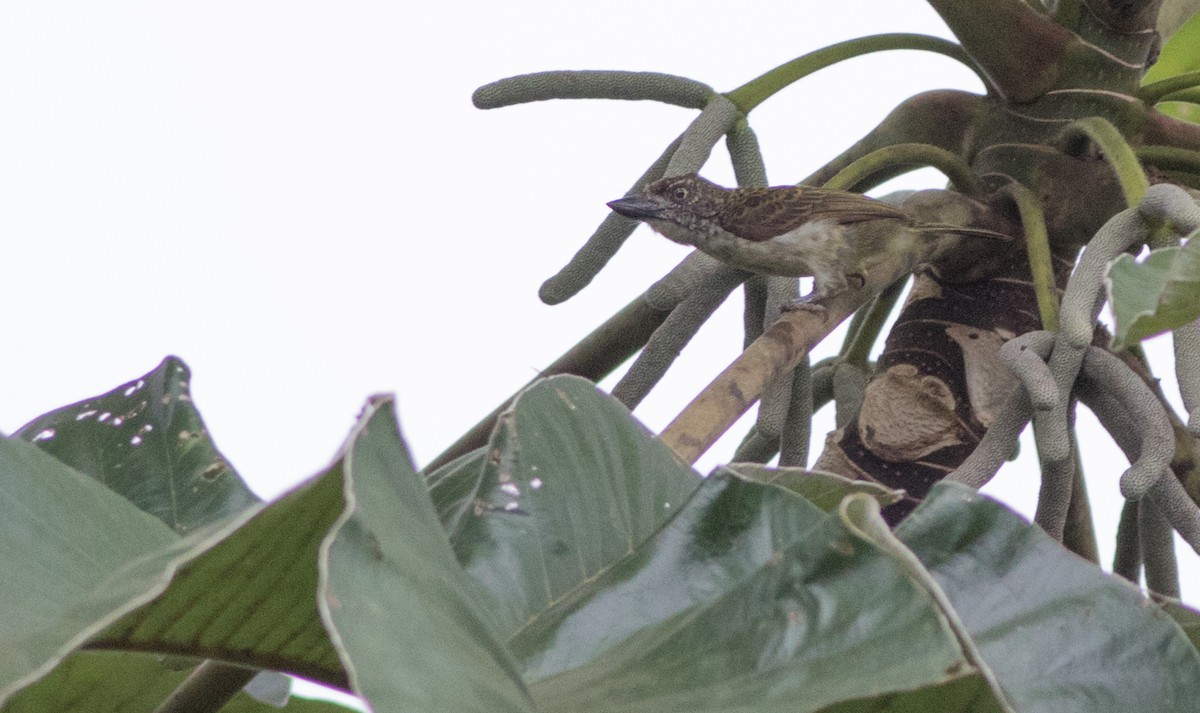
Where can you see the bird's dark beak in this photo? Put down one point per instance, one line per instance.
(638, 207)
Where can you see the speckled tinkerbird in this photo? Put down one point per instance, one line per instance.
(787, 231)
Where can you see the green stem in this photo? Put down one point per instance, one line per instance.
(1186, 96)
(1158, 550)
(1037, 244)
(1190, 180)
(761, 88)
(856, 323)
(755, 448)
(857, 175)
(857, 348)
(1181, 166)
(1116, 151)
(593, 84)
(1127, 561)
(1079, 533)
(797, 427)
(745, 154)
(1169, 158)
(1154, 93)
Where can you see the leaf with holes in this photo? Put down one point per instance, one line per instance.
(454, 488)
(338, 581)
(1160, 293)
(146, 440)
(621, 581)
(396, 601)
(250, 598)
(76, 556)
(572, 488)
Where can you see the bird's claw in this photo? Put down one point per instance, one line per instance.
(804, 304)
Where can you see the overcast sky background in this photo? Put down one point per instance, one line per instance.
(299, 200)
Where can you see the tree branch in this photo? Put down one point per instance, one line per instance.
(779, 349)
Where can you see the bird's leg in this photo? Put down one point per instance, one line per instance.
(823, 286)
(829, 277)
(804, 304)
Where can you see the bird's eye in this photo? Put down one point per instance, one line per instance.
(680, 194)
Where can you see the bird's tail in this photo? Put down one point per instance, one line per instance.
(966, 232)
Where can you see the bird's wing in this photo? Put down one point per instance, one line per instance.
(763, 213)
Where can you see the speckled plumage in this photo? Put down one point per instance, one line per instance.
(790, 231)
(765, 213)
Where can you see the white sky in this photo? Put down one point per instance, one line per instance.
(299, 200)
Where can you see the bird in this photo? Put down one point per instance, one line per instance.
(787, 231)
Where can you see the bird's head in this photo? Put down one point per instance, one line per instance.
(689, 202)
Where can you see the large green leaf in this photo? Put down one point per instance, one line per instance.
(1187, 618)
(1058, 633)
(1181, 52)
(76, 557)
(1160, 293)
(454, 489)
(251, 598)
(1180, 55)
(394, 596)
(827, 624)
(359, 552)
(146, 440)
(80, 555)
(600, 574)
(635, 586)
(110, 682)
(571, 489)
(720, 537)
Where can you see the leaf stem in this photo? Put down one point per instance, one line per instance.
(857, 348)
(1037, 244)
(1190, 95)
(1127, 560)
(1079, 532)
(1116, 150)
(1169, 158)
(756, 91)
(1158, 551)
(1154, 92)
(859, 174)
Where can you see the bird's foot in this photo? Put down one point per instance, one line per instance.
(804, 304)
